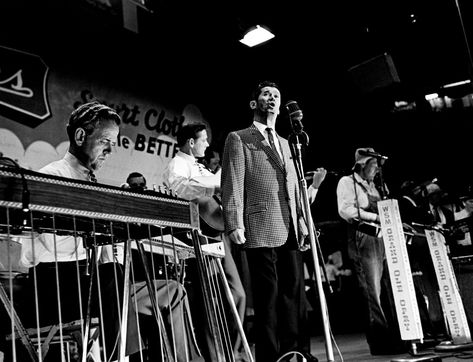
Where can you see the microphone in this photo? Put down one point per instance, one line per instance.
(372, 154)
(295, 116)
(428, 182)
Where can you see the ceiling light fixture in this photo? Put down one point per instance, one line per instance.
(256, 35)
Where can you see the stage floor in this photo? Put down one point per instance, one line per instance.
(353, 348)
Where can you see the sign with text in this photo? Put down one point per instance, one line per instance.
(397, 258)
(449, 292)
(147, 139)
(23, 81)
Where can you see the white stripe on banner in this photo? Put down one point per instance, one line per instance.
(407, 310)
(449, 292)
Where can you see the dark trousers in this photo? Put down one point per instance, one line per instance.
(172, 303)
(426, 286)
(238, 294)
(69, 302)
(369, 260)
(279, 301)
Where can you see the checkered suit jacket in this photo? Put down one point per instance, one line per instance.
(259, 195)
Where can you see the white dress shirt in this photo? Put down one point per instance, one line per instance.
(41, 249)
(347, 198)
(190, 179)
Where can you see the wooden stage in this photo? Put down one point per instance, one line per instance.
(353, 348)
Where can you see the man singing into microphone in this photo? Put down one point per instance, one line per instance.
(357, 197)
(261, 204)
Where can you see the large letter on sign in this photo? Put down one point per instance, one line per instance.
(23, 96)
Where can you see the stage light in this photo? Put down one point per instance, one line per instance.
(431, 96)
(256, 35)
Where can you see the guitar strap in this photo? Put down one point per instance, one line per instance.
(356, 196)
(372, 200)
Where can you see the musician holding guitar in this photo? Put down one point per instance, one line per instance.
(191, 180)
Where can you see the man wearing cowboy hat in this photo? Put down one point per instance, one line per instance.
(357, 197)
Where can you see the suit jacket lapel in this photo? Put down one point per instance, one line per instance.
(266, 147)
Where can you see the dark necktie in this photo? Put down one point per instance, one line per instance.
(273, 145)
(92, 177)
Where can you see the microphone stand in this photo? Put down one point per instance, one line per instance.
(384, 192)
(296, 150)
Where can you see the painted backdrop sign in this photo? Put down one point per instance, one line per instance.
(147, 139)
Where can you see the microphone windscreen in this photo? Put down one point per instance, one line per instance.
(294, 111)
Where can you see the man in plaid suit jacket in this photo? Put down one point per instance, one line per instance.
(262, 205)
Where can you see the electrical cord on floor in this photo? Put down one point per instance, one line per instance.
(294, 353)
(464, 355)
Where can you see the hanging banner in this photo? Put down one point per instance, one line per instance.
(402, 284)
(35, 105)
(449, 292)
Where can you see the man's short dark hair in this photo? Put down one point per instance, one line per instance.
(407, 187)
(133, 175)
(88, 116)
(189, 131)
(265, 83)
(209, 153)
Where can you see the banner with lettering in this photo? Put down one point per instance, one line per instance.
(36, 102)
(400, 274)
(449, 292)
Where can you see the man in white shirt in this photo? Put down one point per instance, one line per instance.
(191, 180)
(92, 130)
(357, 197)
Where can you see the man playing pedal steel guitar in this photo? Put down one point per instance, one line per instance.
(357, 197)
(92, 130)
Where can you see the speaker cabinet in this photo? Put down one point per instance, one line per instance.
(375, 73)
